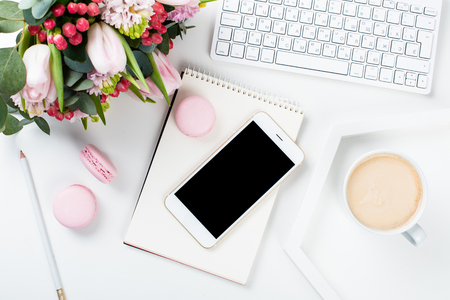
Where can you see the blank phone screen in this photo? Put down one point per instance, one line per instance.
(233, 180)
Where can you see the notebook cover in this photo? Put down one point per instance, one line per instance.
(155, 230)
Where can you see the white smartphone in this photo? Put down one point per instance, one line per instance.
(234, 179)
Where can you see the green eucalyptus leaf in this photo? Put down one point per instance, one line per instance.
(12, 110)
(85, 67)
(71, 100)
(3, 128)
(68, 92)
(144, 63)
(83, 84)
(24, 122)
(25, 4)
(147, 49)
(42, 124)
(27, 14)
(10, 10)
(12, 72)
(25, 115)
(71, 77)
(12, 126)
(86, 104)
(41, 8)
(3, 112)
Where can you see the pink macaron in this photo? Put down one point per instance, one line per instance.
(195, 116)
(75, 206)
(98, 164)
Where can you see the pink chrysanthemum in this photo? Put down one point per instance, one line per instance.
(34, 108)
(181, 13)
(103, 83)
(127, 14)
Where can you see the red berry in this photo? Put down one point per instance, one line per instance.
(154, 18)
(56, 104)
(82, 8)
(115, 94)
(145, 34)
(158, 8)
(162, 17)
(76, 39)
(58, 39)
(121, 87)
(51, 111)
(82, 24)
(62, 45)
(49, 24)
(147, 41)
(157, 38)
(156, 25)
(34, 29)
(72, 8)
(42, 36)
(97, 1)
(162, 30)
(104, 98)
(170, 44)
(50, 39)
(58, 9)
(93, 10)
(69, 115)
(59, 116)
(125, 81)
(69, 29)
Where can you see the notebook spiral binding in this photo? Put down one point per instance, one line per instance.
(259, 95)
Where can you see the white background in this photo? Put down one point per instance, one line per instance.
(93, 262)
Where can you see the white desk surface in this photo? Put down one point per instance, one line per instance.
(93, 262)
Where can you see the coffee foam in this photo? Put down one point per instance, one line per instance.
(384, 191)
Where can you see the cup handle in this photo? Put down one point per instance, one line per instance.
(416, 235)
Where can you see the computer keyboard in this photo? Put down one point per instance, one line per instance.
(382, 43)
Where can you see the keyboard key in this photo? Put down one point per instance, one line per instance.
(270, 40)
(231, 5)
(402, 6)
(379, 14)
(339, 37)
(399, 77)
(306, 16)
(309, 32)
(294, 29)
(393, 17)
(422, 81)
(412, 49)
(397, 47)
(430, 11)
(359, 55)
(408, 19)
(416, 9)
(267, 55)
(299, 45)
(222, 48)
(364, 12)
(356, 70)
(336, 22)
(232, 20)
(368, 42)
(409, 34)
(335, 7)
(252, 53)
(324, 34)
(247, 7)
(240, 36)
(388, 4)
(375, 2)
(265, 25)
(225, 33)
(262, 9)
(425, 22)
(249, 22)
(305, 4)
(284, 43)
(314, 48)
(254, 38)
(349, 9)
(413, 64)
(351, 24)
(383, 44)
(373, 57)
(365, 26)
(388, 60)
(321, 19)
(237, 51)
(371, 73)
(312, 63)
(277, 12)
(320, 5)
(426, 40)
(329, 50)
(353, 39)
(292, 3)
(386, 75)
(279, 27)
(344, 52)
(395, 32)
(380, 29)
(291, 14)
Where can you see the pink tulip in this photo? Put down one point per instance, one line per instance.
(169, 75)
(105, 49)
(39, 83)
(174, 2)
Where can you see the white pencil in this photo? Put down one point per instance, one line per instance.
(41, 225)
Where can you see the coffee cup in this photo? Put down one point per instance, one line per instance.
(385, 192)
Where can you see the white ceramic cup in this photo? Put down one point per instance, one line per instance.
(410, 230)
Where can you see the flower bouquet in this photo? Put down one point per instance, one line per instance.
(71, 58)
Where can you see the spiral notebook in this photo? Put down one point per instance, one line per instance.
(155, 230)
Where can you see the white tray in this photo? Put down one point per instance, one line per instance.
(342, 260)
